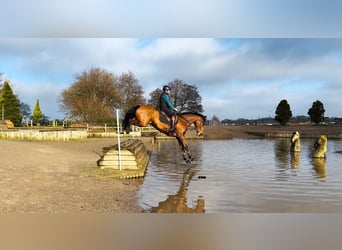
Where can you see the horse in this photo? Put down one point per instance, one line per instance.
(143, 115)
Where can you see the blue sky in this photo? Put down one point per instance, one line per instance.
(243, 55)
(237, 78)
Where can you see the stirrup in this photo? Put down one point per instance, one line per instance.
(172, 128)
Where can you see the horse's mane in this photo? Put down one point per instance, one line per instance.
(194, 113)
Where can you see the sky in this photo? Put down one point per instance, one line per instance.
(236, 78)
(244, 56)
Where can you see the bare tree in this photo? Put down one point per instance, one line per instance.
(215, 120)
(131, 92)
(154, 97)
(92, 97)
(184, 96)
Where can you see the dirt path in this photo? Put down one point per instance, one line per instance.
(51, 177)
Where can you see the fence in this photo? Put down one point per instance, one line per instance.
(72, 134)
(59, 135)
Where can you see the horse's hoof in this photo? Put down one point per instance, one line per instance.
(188, 161)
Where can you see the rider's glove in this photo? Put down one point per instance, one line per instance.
(176, 110)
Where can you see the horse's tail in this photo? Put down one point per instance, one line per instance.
(129, 115)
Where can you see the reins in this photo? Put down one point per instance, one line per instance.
(186, 121)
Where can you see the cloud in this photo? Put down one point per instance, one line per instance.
(47, 93)
(250, 76)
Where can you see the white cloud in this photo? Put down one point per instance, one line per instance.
(47, 93)
(250, 76)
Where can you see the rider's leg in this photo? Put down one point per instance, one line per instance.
(172, 124)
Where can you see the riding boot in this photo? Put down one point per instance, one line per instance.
(172, 126)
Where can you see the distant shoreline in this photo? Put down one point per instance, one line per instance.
(262, 131)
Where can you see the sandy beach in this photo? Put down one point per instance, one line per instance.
(54, 177)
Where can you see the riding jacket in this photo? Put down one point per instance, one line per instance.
(166, 105)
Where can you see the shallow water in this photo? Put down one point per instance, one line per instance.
(243, 175)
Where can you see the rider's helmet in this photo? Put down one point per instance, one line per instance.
(166, 87)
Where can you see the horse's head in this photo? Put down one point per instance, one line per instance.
(196, 119)
(199, 124)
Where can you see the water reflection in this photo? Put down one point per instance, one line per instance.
(243, 176)
(177, 203)
(295, 160)
(320, 166)
(281, 151)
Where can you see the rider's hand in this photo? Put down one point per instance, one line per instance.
(176, 110)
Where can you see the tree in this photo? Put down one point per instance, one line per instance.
(131, 92)
(93, 96)
(189, 99)
(37, 114)
(184, 96)
(45, 120)
(10, 105)
(215, 120)
(154, 97)
(316, 112)
(25, 110)
(283, 112)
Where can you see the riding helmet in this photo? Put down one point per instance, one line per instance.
(166, 87)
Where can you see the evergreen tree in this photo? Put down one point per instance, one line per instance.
(37, 114)
(316, 112)
(283, 112)
(10, 105)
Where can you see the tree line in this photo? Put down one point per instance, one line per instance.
(96, 94)
(11, 108)
(283, 112)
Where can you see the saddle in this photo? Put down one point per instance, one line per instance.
(164, 118)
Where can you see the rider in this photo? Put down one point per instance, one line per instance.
(166, 105)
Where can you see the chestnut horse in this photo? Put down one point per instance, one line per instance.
(143, 115)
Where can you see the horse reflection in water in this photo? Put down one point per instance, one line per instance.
(143, 115)
(178, 203)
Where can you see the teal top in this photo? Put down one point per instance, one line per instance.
(166, 98)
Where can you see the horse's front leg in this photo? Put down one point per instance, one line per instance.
(188, 158)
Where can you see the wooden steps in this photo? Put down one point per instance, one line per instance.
(134, 159)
